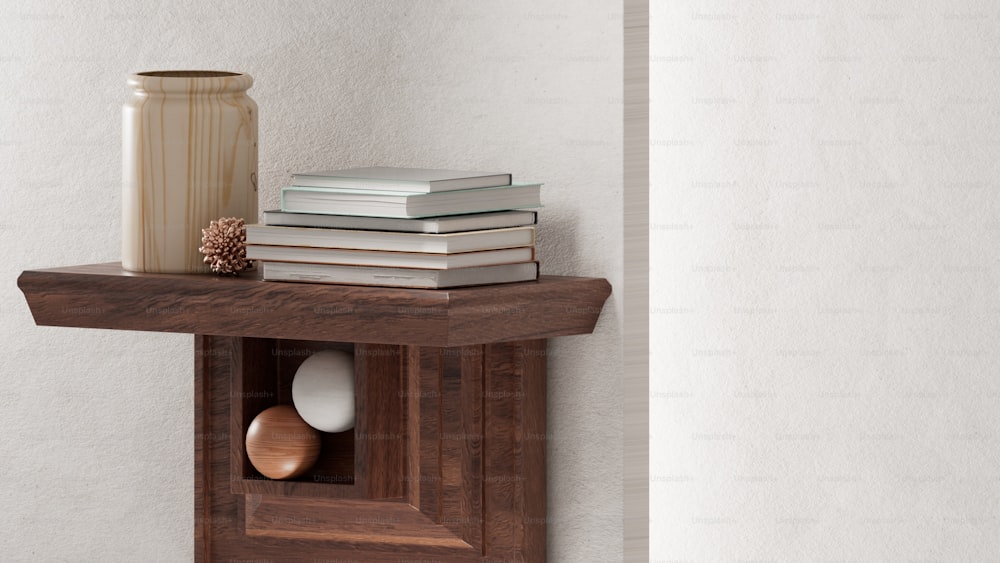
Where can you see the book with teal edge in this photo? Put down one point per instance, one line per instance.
(436, 225)
(372, 203)
(416, 180)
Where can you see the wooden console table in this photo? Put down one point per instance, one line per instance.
(446, 461)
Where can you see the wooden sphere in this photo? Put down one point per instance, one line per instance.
(280, 444)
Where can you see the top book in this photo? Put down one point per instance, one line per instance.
(413, 180)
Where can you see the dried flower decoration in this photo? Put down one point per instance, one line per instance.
(224, 246)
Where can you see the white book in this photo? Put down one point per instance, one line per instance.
(466, 241)
(444, 224)
(398, 277)
(336, 201)
(416, 180)
(390, 259)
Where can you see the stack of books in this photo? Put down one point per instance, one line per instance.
(399, 227)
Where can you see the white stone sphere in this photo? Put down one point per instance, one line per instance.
(323, 391)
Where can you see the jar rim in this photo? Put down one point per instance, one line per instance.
(189, 82)
(189, 73)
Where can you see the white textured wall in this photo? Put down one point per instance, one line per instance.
(96, 455)
(825, 333)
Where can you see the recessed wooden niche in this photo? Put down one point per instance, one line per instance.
(263, 380)
(446, 460)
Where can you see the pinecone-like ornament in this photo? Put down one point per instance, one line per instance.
(224, 244)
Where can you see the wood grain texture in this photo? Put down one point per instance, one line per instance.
(447, 475)
(215, 507)
(280, 444)
(211, 366)
(379, 431)
(462, 443)
(252, 390)
(285, 525)
(503, 490)
(189, 152)
(265, 369)
(470, 471)
(533, 437)
(359, 523)
(105, 296)
(425, 421)
(479, 466)
(450, 461)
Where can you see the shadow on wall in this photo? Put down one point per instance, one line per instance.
(556, 248)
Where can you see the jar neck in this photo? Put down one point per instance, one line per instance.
(190, 82)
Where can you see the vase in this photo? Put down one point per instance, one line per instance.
(189, 154)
